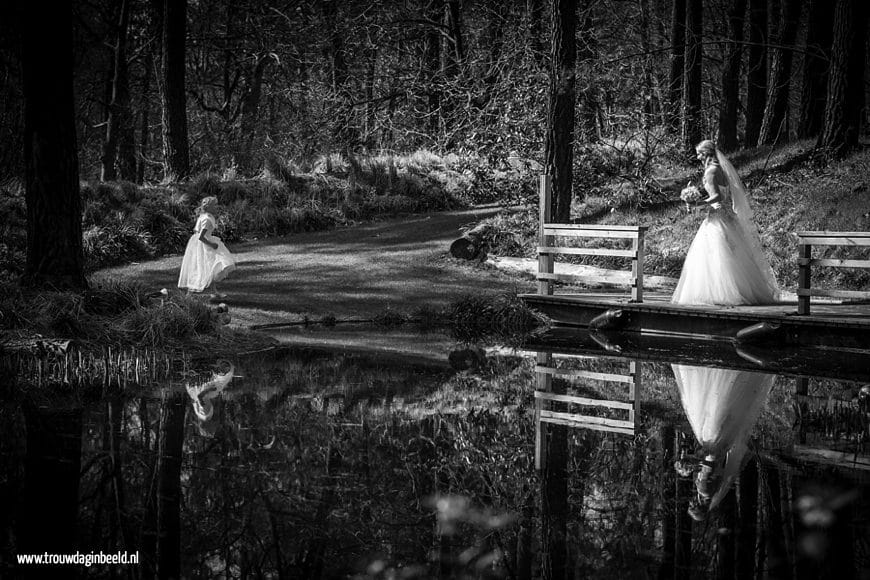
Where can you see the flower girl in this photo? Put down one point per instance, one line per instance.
(206, 259)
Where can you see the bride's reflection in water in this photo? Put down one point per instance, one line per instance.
(722, 406)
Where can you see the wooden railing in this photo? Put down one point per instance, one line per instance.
(572, 414)
(806, 241)
(547, 250)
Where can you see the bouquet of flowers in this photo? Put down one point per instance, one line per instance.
(691, 194)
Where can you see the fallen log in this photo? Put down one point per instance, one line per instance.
(472, 245)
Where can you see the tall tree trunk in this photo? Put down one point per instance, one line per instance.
(725, 545)
(453, 54)
(845, 82)
(534, 27)
(678, 62)
(116, 423)
(727, 140)
(820, 35)
(371, 70)
(756, 85)
(176, 152)
(692, 132)
(773, 125)
(559, 140)
(49, 507)
(685, 488)
(118, 152)
(650, 102)
(169, 487)
(250, 112)
(432, 67)
(587, 102)
(668, 441)
(525, 536)
(54, 207)
(554, 499)
(777, 556)
(344, 134)
(155, 14)
(145, 118)
(747, 514)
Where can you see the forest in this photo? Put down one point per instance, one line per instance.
(308, 113)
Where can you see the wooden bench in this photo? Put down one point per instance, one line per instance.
(545, 400)
(547, 250)
(806, 241)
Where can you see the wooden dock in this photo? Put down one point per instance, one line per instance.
(844, 325)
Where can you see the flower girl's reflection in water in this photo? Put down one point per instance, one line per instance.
(722, 406)
(202, 395)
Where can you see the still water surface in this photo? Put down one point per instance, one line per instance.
(330, 463)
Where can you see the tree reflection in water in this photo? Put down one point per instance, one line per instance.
(322, 465)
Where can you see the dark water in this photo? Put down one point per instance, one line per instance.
(315, 463)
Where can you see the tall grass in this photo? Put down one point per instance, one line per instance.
(113, 313)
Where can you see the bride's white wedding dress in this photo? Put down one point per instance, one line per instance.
(722, 406)
(725, 264)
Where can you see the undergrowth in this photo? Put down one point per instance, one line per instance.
(117, 314)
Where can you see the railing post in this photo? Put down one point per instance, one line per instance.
(637, 267)
(805, 252)
(545, 261)
(543, 382)
(634, 392)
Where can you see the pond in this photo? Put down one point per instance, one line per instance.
(327, 462)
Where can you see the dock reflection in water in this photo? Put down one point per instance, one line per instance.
(316, 463)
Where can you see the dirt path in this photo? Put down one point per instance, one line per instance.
(356, 271)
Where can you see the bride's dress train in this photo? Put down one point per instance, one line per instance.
(723, 267)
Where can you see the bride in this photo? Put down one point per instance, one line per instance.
(725, 264)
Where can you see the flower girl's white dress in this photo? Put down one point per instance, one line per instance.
(725, 264)
(203, 265)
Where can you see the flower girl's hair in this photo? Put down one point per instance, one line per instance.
(204, 203)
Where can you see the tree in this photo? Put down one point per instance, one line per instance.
(727, 139)
(692, 132)
(773, 124)
(559, 140)
(678, 60)
(154, 38)
(432, 64)
(176, 153)
(846, 79)
(533, 22)
(54, 208)
(820, 32)
(119, 156)
(756, 82)
(587, 56)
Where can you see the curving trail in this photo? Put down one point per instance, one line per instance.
(351, 272)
